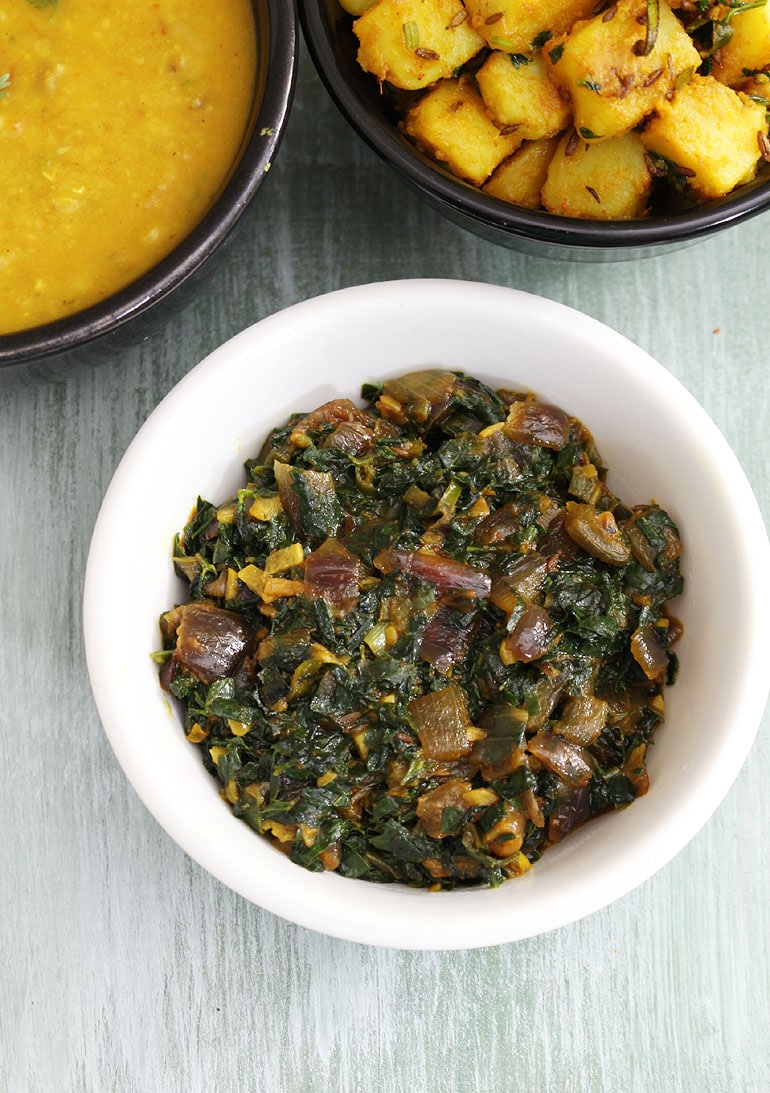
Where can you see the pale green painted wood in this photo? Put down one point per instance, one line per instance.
(123, 966)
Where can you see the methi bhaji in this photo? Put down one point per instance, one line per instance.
(424, 641)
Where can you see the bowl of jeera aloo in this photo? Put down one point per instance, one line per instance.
(564, 128)
(446, 631)
(134, 144)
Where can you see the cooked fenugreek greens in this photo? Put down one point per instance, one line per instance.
(424, 641)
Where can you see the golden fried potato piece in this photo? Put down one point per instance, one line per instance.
(749, 48)
(603, 72)
(521, 178)
(519, 26)
(452, 124)
(517, 91)
(413, 43)
(712, 133)
(609, 180)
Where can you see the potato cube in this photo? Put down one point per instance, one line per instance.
(520, 179)
(748, 50)
(711, 132)
(451, 123)
(517, 92)
(520, 26)
(413, 43)
(604, 72)
(609, 180)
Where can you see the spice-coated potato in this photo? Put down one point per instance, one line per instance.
(519, 26)
(714, 134)
(498, 82)
(517, 92)
(603, 71)
(608, 180)
(748, 50)
(413, 43)
(452, 123)
(520, 178)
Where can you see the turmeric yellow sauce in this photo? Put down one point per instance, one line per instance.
(119, 124)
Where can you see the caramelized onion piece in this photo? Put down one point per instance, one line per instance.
(498, 526)
(352, 437)
(533, 422)
(353, 430)
(648, 652)
(445, 573)
(442, 721)
(583, 718)
(334, 412)
(447, 637)
(333, 574)
(432, 805)
(567, 760)
(597, 533)
(524, 580)
(572, 808)
(507, 835)
(309, 500)
(211, 643)
(548, 691)
(530, 637)
(419, 397)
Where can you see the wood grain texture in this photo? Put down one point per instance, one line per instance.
(123, 966)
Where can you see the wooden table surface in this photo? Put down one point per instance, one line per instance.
(125, 967)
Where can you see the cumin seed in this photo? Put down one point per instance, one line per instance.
(654, 166)
(492, 19)
(427, 54)
(610, 13)
(594, 195)
(625, 82)
(764, 145)
(507, 130)
(651, 77)
(572, 143)
(457, 20)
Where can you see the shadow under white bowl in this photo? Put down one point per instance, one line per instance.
(658, 443)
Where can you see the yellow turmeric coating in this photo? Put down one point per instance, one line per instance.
(118, 127)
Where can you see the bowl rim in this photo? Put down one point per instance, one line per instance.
(314, 900)
(459, 197)
(267, 125)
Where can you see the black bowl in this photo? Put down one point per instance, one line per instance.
(333, 46)
(127, 316)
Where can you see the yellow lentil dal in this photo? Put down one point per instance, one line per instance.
(119, 123)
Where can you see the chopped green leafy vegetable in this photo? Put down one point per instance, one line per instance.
(424, 641)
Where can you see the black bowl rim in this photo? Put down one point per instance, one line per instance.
(75, 331)
(458, 197)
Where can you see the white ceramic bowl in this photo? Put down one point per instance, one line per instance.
(657, 442)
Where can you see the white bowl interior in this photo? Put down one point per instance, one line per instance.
(658, 443)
